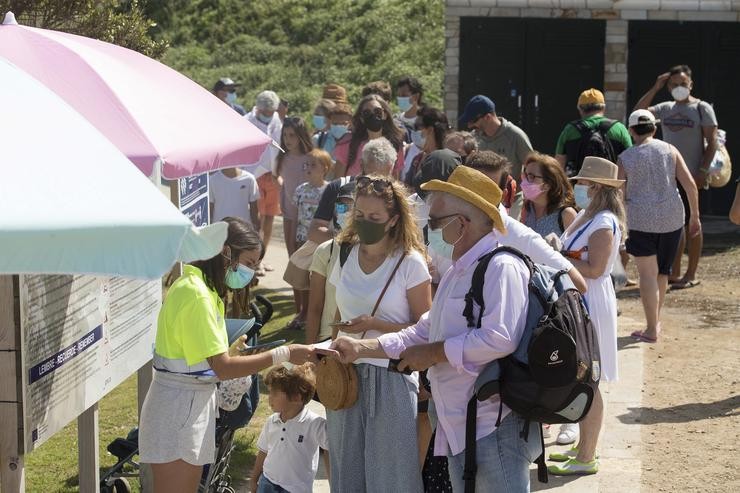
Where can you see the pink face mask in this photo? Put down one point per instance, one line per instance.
(530, 190)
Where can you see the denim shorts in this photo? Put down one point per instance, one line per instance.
(264, 485)
(503, 458)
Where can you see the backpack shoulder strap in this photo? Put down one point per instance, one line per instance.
(475, 293)
(560, 219)
(606, 124)
(344, 250)
(581, 126)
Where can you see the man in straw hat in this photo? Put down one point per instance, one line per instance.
(465, 223)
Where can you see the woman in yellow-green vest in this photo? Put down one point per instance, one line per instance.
(178, 420)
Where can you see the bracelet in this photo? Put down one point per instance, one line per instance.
(280, 355)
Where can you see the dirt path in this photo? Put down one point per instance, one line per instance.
(690, 417)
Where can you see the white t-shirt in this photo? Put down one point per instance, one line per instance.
(232, 196)
(292, 450)
(357, 292)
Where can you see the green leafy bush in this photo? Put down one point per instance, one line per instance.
(294, 47)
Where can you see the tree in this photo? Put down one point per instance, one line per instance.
(119, 22)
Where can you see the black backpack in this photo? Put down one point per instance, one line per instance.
(554, 372)
(593, 142)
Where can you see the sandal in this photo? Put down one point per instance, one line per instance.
(641, 337)
(573, 467)
(296, 324)
(685, 284)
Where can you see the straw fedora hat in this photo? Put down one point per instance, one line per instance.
(599, 170)
(473, 187)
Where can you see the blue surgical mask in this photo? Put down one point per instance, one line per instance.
(418, 139)
(338, 131)
(231, 97)
(438, 243)
(264, 119)
(342, 219)
(239, 278)
(341, 211)
(581, 196)
(319, 122)
(403, 102)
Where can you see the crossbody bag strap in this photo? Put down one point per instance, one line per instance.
(387, 284)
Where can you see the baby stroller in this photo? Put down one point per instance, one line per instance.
(215, 476)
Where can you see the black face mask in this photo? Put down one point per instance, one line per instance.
(373, 123)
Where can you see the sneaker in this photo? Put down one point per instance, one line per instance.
(574, 468)
(569, 454)
(568, 434)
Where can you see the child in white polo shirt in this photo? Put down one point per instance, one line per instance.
(289, 444)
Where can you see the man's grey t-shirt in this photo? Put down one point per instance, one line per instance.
(682, 126)
(509, 141)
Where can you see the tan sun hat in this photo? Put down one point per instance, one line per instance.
(599, 170)
(473, 187)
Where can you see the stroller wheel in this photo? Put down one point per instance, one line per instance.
(120, 485)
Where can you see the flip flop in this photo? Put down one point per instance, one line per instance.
(640, 336)
(685, 284)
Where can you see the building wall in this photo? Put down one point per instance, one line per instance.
(617, 14)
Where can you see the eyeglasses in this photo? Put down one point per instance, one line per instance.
(531, 177)
(380, 185)
(378, 112)
(436, 222)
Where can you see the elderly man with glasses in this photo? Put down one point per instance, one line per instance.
(465, 223)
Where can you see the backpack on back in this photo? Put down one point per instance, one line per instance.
(593, 142)
(553, 374)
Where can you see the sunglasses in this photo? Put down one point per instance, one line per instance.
(341, 208)
(380, 185)
(378, 112)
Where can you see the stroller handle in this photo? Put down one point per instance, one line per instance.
(261, 318)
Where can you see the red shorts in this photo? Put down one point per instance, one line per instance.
(269, 202)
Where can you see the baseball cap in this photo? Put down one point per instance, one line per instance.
(591, 96)
(347, 191)
(224, 82)
(642, 117)
(477, 106)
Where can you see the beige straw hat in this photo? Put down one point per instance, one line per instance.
(599, 170)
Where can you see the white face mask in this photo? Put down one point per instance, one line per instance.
(680, 93)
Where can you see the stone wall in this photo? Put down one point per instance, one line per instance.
(617, 14)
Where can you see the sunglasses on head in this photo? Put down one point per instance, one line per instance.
(374, 112)
(380, 185)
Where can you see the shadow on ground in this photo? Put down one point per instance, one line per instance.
(683, 413)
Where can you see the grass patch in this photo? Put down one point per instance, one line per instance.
(53, 466)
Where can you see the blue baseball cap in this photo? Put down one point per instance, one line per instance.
(477, 106)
